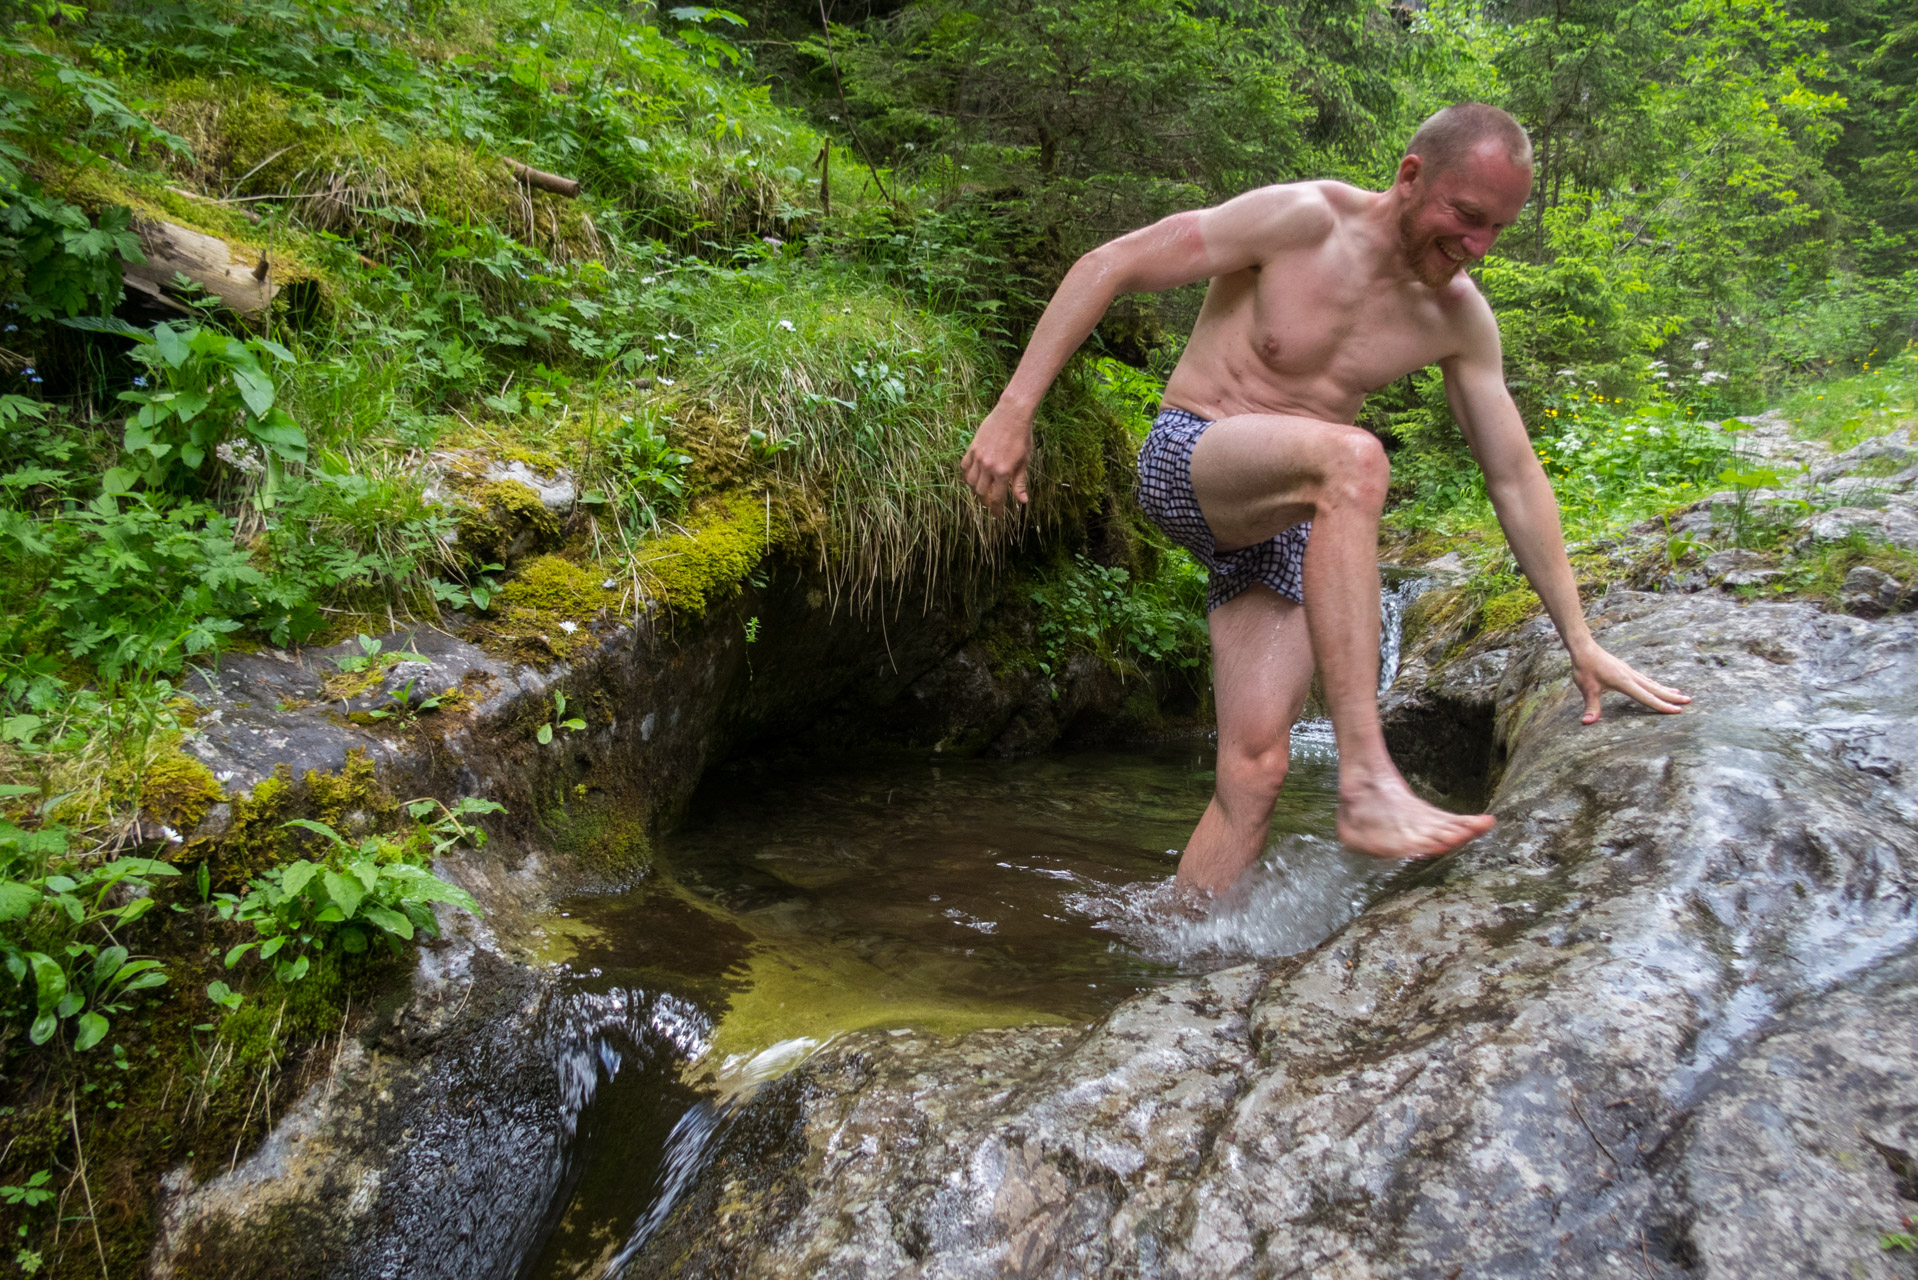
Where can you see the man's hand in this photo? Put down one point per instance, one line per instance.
(1599, 671)
(997, 460)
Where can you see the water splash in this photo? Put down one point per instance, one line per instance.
(1302, 891)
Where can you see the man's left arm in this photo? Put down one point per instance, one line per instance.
(1528, 512)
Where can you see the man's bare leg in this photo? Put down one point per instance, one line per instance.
(1261, 673)
(1256, 475)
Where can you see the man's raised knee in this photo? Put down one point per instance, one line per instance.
(1360, 473)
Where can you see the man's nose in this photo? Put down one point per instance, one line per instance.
(1478, 243)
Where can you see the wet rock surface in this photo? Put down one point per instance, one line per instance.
(1659, 1023)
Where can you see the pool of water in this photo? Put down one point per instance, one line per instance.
(793, 907)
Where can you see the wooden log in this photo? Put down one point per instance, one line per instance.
(526, 173)
(242, 281)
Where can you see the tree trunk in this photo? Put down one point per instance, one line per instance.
(240, 280)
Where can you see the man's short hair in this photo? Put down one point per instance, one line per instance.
(1453, 133)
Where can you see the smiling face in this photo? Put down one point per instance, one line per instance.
(1451, 218)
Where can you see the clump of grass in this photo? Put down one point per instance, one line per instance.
(1875, 401)
(848, 390)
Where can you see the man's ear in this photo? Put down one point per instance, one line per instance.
(1409, 170)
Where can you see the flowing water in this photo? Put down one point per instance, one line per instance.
(794, 907)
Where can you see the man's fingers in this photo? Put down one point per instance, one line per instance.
(1019, 486)
(1592, 696)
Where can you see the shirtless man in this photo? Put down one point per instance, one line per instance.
(1320, 293)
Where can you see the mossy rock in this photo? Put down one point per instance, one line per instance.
(351, 801)
(546, 611)
(602, 832)
(503, 520)
(1505, 611)
(177, 790)
(723, 543)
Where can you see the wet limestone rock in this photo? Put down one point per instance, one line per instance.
(1660, 1023)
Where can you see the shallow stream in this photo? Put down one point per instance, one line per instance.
(796, 906)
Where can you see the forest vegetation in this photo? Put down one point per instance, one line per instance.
(805, 244)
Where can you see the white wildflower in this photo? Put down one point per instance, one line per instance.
(569, 627)
(665, 382)
(1566, 373)
(1703, 344)
(787, 325)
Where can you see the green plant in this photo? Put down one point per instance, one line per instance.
(58, 931)
(358, 895)
(1130, 624)
(405, 709)
(572, 725)
(214, 387)
(1899, 1240)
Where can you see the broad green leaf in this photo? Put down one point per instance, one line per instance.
(346, 893)
(368, 873)
(49, 979)
(172, 347)
(271, 946)
(17, 900)
(107, 964)
(92, 1029)
(70, 1003)
(390, 920)
(233, 956)
(43, 1028)
(298, 874)
(545, 734)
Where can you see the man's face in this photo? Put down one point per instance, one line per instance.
(1454, 216)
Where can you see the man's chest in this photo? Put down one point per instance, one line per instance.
(1326, 319)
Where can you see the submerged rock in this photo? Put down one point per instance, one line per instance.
(1660, 1022)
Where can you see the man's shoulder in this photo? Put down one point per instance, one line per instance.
(1293, 213)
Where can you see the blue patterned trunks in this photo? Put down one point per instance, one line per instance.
(1165, 494)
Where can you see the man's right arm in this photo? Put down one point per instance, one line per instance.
(1182, 249)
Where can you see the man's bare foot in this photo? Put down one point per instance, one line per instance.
(1384, 819)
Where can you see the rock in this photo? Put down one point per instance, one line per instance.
(557, 488)
(1660, 1022)
(1895, 446)
(1720, 563)
(1750, 577)
(1869, 592)
(1895, 525)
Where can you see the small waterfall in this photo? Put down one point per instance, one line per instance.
(1396, 594)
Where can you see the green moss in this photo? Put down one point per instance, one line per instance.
(526, 616)
(501, 517)
(1508, 609)
(601, 831)
(177, 790)
(350, 801)
(722, 545)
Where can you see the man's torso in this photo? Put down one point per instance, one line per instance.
(1314, 328)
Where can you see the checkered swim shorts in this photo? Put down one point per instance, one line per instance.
(1165, 494)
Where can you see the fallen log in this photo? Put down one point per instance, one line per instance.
(526, 173)
(240, 280)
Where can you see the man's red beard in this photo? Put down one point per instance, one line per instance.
(1416, 245)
